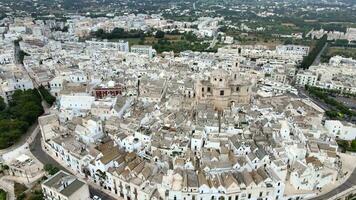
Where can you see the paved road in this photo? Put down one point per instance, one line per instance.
(44, 158)
(302, 93)
(351, 181)
(317, 58)
(213, 43)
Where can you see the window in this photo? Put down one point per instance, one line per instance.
(249, 196)
(221, 92)
(202, 89)
(208, 89)
(261, 194)
(220, 80)
(237, 89)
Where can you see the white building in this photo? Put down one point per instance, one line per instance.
(342, 130)
(306, 78)
(292, 50)
(76, 102)
(65, 187)
(143, 50)
(90, 131)
(9, 85)
(121, 45)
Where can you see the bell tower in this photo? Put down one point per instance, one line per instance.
(236, 70)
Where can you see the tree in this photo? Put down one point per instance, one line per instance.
(36, 195)
(102, 176)
(309, 59)
(100, 33)
(339, 110)
(50, 169)
(353, 144)
(159, 34)
(47, 96)
(190, 36)
(341, 42)
(2, 104)
(332, 114)
(117, 33)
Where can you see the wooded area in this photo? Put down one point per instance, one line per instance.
(22, 111)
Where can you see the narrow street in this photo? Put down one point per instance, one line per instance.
(43, 157)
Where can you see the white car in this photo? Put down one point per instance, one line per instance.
(96, 197)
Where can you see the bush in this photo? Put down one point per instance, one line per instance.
(36, 195)
(50, 169)
(347, 145)
(2, 195)
(19, 190)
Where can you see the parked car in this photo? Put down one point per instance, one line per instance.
(96, 197)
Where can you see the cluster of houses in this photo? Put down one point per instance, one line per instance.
(193, 126)
(349, 35)
(339, 74)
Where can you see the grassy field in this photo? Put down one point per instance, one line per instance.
(341, 51)
(252, 39)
